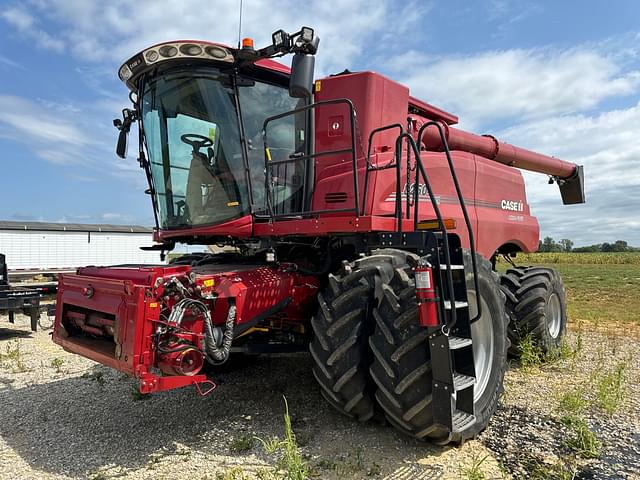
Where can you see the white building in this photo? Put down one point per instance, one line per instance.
(66, 246)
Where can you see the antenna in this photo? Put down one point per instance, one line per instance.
(240, 27)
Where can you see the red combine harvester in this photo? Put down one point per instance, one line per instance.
(369, 240)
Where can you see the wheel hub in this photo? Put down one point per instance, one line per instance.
(483, 345)
(554, 315)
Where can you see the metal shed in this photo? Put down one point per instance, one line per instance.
(65, 246)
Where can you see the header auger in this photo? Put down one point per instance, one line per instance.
(350, 220)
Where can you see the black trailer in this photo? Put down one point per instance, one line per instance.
(18, 300)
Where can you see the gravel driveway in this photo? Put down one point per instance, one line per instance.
(67, 417)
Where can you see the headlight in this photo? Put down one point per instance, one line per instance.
(124, 73)
(216, 52)
(168, 51)
(190, 49)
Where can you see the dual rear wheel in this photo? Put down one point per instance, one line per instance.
(370, 353)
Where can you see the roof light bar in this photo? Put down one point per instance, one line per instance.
(171, 51)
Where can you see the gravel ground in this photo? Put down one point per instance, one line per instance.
(67, 417)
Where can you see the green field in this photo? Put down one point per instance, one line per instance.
(602, 288)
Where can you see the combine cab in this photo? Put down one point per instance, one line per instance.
(359, 226)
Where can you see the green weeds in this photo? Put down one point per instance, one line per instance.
(241, 444)
(13, 358)
(57, 364)
(611, 388)
(474, 471)
(583, 441)
(531, 356)
(290, 466)
(351, 464)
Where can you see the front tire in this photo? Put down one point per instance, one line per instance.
(402, 363)
(342, 326)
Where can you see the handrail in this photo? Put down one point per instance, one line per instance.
(368, 163)
(443, 229)
(268, 163)
(467, 222)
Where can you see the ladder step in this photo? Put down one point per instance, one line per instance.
(447, 304)
(453, 267)
(456, 343)
(462, 421)
(460, 381)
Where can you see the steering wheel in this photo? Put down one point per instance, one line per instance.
(196, 141)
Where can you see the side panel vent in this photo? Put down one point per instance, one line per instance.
(337, 197)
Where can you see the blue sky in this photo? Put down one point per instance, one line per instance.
(559, 77)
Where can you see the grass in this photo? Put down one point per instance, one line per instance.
(532, 356)
(353, 463)
(574, 402)
(13, 358)
(582, 440)
(612, 388)
(563, 469)
(57, 364)
(241, 444)
(474, 472)
(601, 287)
(235, 473)
(291, 466)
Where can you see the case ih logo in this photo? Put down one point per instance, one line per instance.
(514, 206)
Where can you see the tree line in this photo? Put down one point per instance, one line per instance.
(566, 245)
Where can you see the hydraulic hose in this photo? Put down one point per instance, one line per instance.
(217, 343)
(218, 351)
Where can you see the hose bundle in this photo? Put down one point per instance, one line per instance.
(217, 343)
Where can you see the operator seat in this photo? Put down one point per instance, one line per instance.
(206, 195)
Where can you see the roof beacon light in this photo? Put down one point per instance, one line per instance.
(247, 43)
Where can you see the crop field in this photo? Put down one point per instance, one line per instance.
(603, 289)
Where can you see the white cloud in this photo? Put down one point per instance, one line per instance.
(606, 144)
(18, 18)
(517, 83)
(26, 24)
(113, 31)
(34, 125)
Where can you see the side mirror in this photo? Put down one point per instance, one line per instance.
(301, 81)
(124, 125)
(123, 142)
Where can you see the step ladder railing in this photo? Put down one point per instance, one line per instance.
(463, 206)
(421, 172)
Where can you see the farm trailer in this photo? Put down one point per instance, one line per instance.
(18, 300)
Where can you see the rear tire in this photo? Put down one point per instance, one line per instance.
(342, 326)
(536, 306)
(402, 363)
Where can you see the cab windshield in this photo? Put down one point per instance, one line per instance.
(197, 162)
